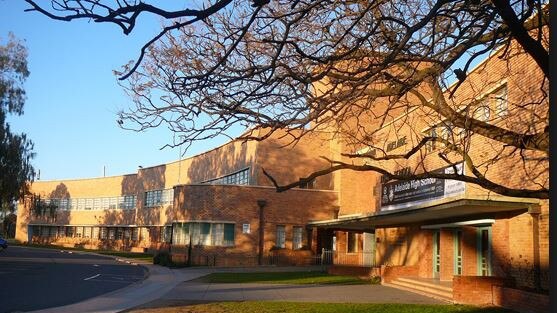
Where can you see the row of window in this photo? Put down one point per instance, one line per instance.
(122, 202)
(152, 198)
(152, 233)
(297, 237)
(237, 178)
(205, 234)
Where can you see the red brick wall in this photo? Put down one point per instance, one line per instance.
(359, 271)
(476, 290)
(389, 273)
(520, 300)
(238, 204)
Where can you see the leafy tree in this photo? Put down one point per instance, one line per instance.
(16, 150)
(345, 67)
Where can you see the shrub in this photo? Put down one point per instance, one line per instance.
(162, 258)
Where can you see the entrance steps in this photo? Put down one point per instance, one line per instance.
(425, 286)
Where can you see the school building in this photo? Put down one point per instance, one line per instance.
(449, 239)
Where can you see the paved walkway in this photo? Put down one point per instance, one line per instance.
(195, 291)
(166, 285)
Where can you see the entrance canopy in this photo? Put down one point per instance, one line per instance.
(447, 211)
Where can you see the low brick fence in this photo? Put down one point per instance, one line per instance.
(389, 273)
(358, 271)
(520, 300)
(476, 290)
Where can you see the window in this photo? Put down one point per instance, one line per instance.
(501, 103)
(111, 233)
(167, 235)
(430, 146)
(128, 202)
(95, 233)
(103, 233)
(79, 232)
(86, 232)
(308, 185)
(70, 231)
(297, 233)
(119, 233)
(181, 233)
(482, 112)
(351, 242)
(159, 197)
(135, 233)
(237, 178)
(205, 234)
(229, 234)
(218, 234)
(62, 231)
(281, 236)
(127, 233)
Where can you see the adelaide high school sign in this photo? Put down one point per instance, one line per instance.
(405, 194)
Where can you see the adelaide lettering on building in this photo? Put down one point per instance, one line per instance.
(405, 194)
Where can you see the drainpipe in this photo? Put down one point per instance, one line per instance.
(261, 203)
(536, 246)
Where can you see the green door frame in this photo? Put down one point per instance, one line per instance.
(479, 249)
(457, 262)
(436, 253)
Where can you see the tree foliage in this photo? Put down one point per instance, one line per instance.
(16, 150)
(345, 67)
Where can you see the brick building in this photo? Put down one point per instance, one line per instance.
(464, 240)
(450, 239)
(218, 201)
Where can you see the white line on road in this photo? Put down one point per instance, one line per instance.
(95, 276)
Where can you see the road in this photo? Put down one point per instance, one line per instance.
(33, 279)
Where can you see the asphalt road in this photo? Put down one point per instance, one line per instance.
(33, 279)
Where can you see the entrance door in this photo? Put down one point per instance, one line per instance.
(484, 251)
(436, 253)
(369, 249)
(458, 252)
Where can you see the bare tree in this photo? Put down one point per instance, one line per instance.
(349, 69)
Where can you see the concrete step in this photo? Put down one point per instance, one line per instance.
(426, 291)
(426, 284)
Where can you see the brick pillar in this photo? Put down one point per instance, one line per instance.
(447, 255)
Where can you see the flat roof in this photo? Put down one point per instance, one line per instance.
(455, 210)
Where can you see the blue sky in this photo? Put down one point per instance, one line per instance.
(73, 97)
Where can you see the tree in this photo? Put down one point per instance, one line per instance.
(345, 67)
(16, 150)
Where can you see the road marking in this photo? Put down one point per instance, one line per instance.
(95, 276)
(96, 265)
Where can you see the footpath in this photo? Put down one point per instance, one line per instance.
(160, 281)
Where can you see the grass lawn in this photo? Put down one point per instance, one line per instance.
(282, 278)
(123, 254)
(305, 307)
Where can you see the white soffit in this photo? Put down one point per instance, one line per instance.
(458, 224)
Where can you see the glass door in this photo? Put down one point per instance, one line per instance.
(484, 251)
(436, 253)
(458, 252)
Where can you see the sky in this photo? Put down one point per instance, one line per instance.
(73, 96)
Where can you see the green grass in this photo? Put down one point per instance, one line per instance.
(283, 278)
(123, 254)
(305, 307)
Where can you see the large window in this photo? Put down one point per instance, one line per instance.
(159, 197)
(281, 236)
(297, 234)
(206, 234)
(236, 178)
(126, 202)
